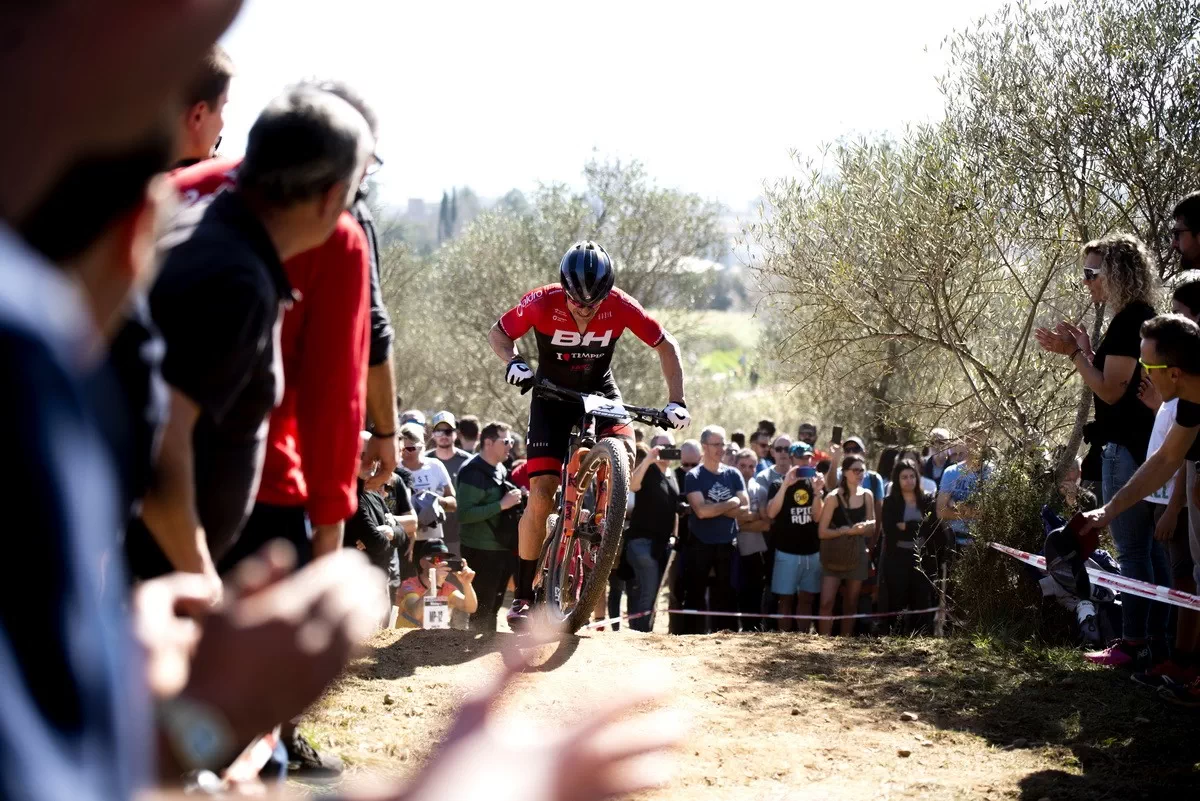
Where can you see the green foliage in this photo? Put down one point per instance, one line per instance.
(485, 269)
(992, 591)
(903, 279)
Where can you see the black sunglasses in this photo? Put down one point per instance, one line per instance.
(780, 449)
(688, 465)
(411, 448)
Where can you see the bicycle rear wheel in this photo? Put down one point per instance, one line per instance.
(579, 566)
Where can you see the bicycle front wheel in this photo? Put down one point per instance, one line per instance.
(579, 577)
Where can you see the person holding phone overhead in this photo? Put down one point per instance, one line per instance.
(652, 524)
(797, 501)
(847, 523)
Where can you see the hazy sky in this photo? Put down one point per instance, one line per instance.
(712, 97)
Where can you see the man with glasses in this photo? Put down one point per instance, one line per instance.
(452, 458)
(717, 495)
(577, 323)
(761, 445)
(482, 497)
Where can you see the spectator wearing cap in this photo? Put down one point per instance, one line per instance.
(941, 454)
(468, 433)
(410, 598)
(484, 495)
(433, 492)
(444, 429)
(413, 416)
(794, 510)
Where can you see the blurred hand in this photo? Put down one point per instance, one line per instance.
(511, 498)
(310, 622)
(166, 612)
(382, 454)
(614, 751)
(818, 483)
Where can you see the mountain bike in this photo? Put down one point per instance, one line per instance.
(581, 549)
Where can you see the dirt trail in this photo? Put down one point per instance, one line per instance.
(799, 717)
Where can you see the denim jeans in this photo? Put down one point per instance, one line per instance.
(1141, 557)
(640, 554)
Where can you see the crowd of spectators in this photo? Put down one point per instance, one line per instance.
(202, 399)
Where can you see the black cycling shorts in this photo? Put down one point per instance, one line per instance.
(550, 424)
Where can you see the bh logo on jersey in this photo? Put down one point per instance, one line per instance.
(573, 339)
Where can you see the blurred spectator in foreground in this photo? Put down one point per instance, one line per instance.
(203, 116)
(486, 504)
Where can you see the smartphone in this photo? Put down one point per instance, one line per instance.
(806, 472)
(455, 563)
(837, 435)
(669, 453)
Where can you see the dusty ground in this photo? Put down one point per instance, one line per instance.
(797, 717)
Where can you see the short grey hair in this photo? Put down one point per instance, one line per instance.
(710, 431)
(305, 142)
(784, 438)
(690, 446)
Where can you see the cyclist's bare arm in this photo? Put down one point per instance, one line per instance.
(672, 366)
(505, 348)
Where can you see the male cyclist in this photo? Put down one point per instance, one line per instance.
(577, 324)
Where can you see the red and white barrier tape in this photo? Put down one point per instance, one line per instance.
(1114, 581)
(802, 617)
(253, 759)
(599, 624)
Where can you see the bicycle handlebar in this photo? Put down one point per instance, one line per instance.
(642, 414)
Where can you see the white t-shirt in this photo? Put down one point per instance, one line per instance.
(1163, 420)
(432, 477)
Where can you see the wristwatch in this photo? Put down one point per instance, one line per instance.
(199, 735)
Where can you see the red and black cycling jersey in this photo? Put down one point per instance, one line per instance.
(579, 361)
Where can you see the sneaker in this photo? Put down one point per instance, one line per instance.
(518, 615)
(306, 764)
(1182, 694)
(1123, 654)
(1164, 673)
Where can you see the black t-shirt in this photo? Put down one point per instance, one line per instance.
(363, 526)
(218, 302)
(681, 535)
(655, 506)
(1187, 414)
(1128, 422)
(794, 529)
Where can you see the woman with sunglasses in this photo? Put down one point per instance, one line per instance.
(1117, 275)
(847, 523)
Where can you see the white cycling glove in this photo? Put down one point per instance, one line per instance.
(518, 372)
(677, 414)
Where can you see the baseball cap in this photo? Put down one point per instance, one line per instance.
(446, 418)
(800, 449)
(413, 416)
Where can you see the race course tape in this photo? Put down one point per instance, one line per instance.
(1114, 581)
(599, 624)
(802, 617)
